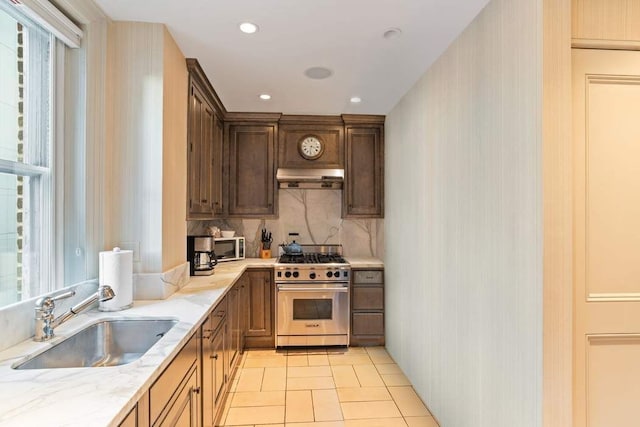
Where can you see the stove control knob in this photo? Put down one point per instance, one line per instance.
(287, 274)
(312, 275)
(296, 274)
(329, 274)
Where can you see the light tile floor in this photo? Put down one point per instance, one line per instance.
(317, 387)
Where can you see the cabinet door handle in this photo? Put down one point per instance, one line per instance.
(204, 200)
(214, 356)
(196, 390)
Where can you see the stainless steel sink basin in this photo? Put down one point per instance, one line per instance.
(107, 343)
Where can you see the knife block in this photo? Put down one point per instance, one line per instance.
(265, 253)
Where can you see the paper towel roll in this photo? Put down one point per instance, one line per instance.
(116, 270)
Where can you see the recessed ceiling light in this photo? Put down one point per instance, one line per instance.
(248, 27)
(318, 73)
(355, 100)
(265, 96)
(392, 33)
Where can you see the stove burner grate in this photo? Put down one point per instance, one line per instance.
(312, 258)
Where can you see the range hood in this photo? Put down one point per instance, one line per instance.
(310, 178)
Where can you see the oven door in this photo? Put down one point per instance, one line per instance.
(310, 309)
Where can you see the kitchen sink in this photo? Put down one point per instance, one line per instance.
(106, 343)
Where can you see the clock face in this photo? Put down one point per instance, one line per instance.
(310, 147)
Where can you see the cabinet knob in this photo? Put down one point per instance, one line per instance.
(214, 356)
(206, 333)
(196, 390)
(204, 200)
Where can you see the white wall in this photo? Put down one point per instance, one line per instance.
(145, 189)
(463, 253)
(174, 155)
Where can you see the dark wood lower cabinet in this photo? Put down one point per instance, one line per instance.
(260, 328)
(131, 420)
(232, 344)
(243, 302)
(367, 307)
(214, 369)
(222, 343)
(193, 389)
(174, 398)
(185, 410)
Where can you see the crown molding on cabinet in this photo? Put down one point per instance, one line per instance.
(301, 119)
(252, 117)
(359, 119)
(196, 72)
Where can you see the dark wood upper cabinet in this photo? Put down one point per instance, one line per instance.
(233, 156)
(218, 184)
(363, 193)
(199, 157)
(205, 157)
(252, 170)
(329, 129)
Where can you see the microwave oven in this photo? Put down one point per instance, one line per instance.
(229, 248)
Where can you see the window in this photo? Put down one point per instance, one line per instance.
(26, 117)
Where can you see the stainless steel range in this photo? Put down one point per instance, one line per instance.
(312, 297)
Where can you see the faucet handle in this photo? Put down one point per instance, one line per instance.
(47, 303)
(64, 295)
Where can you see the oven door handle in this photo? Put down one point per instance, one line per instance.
(300, 289)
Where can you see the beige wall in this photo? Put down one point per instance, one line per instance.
(174, 155)
(146, 146)
(464, 255)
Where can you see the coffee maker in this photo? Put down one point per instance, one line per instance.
(201, 255)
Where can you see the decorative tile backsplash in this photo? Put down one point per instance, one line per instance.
(316, 215)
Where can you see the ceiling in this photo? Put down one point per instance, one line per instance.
(345, 36)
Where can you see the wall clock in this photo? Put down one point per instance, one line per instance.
(311, 147)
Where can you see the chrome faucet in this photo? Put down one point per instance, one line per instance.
(45, 322)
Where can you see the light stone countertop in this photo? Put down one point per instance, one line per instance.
(87, 397)
(362, 262)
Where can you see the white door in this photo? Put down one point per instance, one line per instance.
(606, 129)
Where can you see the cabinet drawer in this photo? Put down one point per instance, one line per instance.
(166, 386)
(368, 276)
(368, 298)
(368, 324)
(131, 419)
(184, 410)
(218, 314)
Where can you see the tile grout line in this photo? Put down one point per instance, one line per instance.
(334, 387)
(286, 387)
